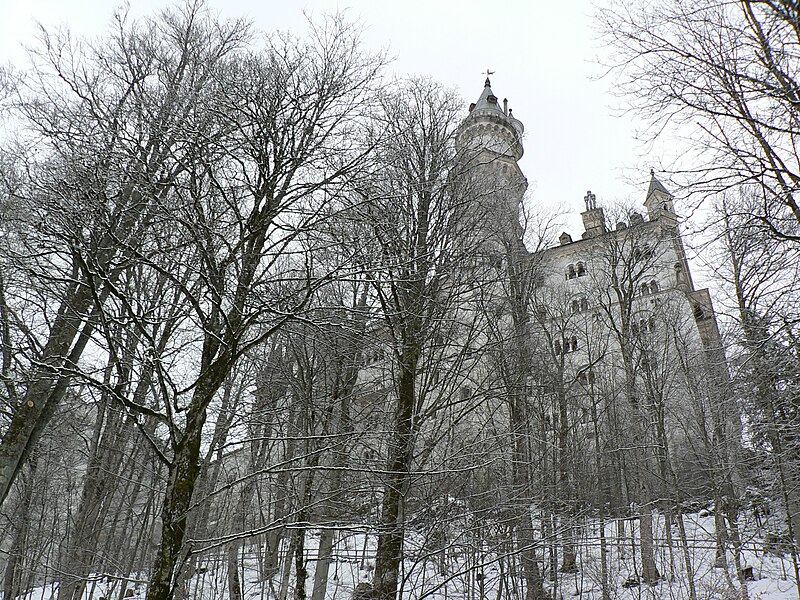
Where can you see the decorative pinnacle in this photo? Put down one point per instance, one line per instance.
(591, 200)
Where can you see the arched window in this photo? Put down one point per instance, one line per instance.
(586, 377)
(581, 269)
(557, 347)
(654, 287)
(571, 272)
(574, 343)
(651, 323)
(579, 305)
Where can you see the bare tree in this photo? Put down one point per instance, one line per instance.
(105, 121)
(727, 74)
(416, 214)
(762, 276)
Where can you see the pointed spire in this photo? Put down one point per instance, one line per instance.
(656, 185)
(487, 100)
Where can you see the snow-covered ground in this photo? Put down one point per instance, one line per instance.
(465, 572)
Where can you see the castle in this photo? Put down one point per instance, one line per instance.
(622, 345)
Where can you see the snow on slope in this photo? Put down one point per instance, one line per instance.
(464, 572)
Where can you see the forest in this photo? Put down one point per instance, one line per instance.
(274, 326)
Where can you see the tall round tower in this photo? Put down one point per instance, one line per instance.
(492, 128)
(490, 143)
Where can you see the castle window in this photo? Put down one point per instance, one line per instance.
(649, 288)
(680, 274)
(699, 313)
(571, 272)
(586, 377)
(642, 253)
(466, 392)
(579, 305)
(570, 345)
(581, 269)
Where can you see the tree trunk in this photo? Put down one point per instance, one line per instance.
(324, 555)
(12, 582)
(300, 571)
(391, 530)
(234, 584)
(687, 558)
(650, 573)
(78, 556)
(47, 387)
(183, 473)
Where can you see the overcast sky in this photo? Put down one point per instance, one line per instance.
(543, 54)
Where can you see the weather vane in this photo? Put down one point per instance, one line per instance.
(488, 72)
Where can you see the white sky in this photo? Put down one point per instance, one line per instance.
(542, 53)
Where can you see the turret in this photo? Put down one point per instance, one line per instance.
(492, 128)
(489, 143)
(594, 220)
(659, 202)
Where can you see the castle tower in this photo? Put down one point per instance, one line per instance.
(659, 202)
(594, 220)
(490, 144)
(492, 129)
(661, 209)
